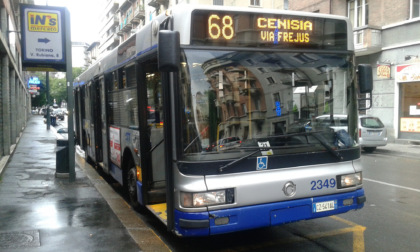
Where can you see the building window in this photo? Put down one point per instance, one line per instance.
(358, 12)
(359, 38)
(217, 2)
(276, 99)
(415, 8)
(255, 3)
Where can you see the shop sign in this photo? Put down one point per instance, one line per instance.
(407, 73)
(43, 38)
(410, 124)
(383, 71)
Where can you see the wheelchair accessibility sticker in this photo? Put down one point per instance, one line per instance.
(262, 163)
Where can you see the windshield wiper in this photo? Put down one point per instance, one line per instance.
(318, 137)
(324, 143)
(222, 168)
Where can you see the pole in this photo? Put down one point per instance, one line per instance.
(70, 98)
(47, 82)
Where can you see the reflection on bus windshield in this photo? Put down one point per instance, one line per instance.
(252, 96)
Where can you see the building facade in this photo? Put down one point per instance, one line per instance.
(122, 18)
(15, 100)
(386, 36)
(80, 54)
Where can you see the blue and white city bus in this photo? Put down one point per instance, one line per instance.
(207, 116)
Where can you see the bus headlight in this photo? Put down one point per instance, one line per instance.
(349, 180)
(210, 198)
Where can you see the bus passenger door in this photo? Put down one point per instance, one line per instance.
(151, 134)
(103, 125)
(96, 121)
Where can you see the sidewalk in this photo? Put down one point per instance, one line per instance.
(39, 212)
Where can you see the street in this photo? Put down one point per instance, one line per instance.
(389, 221)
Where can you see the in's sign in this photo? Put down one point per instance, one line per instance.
(42, 21)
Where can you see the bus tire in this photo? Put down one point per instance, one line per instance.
(132, 187)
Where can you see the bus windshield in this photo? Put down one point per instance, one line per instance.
(235, 102)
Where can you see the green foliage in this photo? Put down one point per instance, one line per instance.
(58, 88)
(77, 71)
(327, 108)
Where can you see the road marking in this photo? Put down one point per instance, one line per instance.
(358, 234)
(357, 230)
(393, 185)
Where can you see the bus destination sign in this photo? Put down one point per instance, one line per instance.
(284, 30)
(267, 30)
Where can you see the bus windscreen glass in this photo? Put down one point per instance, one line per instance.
(238, 29)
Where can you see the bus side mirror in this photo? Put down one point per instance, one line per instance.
(169, 51)
(365, 80)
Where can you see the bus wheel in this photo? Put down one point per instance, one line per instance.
(132, 187)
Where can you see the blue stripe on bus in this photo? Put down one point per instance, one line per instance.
(116, 173)
(139, 194)
(265, 215)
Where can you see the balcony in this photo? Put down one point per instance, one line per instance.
(367, 40)
(157, 3)
(257, 115)
(112, 6)
(139, 14)
(125, 26)
(124, 4)
(116, 38)
(229, 98)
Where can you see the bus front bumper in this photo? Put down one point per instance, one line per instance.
(264, 215)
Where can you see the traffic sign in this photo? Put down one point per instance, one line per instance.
(43, 38)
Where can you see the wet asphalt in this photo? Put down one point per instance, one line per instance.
(40, 212)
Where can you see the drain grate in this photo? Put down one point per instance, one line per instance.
(23, 239)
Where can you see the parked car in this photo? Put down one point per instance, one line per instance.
(339, 122)
(372, 133)
(59, 113)
(228, 143)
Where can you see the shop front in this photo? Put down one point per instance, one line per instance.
(408, 81)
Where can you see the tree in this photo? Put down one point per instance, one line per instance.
(57, 87)
(58, 90)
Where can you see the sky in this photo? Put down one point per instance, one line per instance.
(84, 17)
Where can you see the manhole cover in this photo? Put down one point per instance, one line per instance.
(24, 239)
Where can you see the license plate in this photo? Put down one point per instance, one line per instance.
(324, 206)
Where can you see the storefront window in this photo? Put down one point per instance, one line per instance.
(410, 110)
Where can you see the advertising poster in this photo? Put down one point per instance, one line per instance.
(115, 145)
(409, 124)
